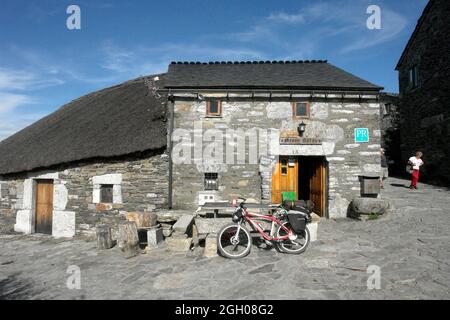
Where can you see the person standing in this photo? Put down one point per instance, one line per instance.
(384, 168)
(416, 162)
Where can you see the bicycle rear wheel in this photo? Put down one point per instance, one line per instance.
(296, 246)
(233, 245)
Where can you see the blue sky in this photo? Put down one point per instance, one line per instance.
(43, 65)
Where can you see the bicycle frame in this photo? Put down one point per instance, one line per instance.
(249, 218)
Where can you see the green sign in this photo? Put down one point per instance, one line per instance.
(361, 135)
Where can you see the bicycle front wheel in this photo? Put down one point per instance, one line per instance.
(234, 242)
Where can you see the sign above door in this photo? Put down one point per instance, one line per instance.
(299, 141)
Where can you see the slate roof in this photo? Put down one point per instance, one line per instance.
(116, 121)
(264, 75)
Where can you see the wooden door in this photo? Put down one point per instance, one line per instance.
(318, 186)
(285, 178)
(44, 206)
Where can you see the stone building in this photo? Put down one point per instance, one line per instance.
(296, 125)
(248, 129)
(96, 157)
(424, 73)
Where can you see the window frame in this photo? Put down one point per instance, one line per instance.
(284, 164)
(210, 114)
(294, 110)
(413, 77)
(102, 188)
(207, 185)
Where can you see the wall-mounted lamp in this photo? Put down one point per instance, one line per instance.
(301, 129)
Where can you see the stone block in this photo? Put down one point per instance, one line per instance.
(184, 224)
(179, 244)
(338, 207)
(179, 235)
(315, 217)
(313, 228)
(243, 183)
(211, 226)
(142, 219)
(63, 224)
(367, 206)
(168, 217)
(103, 207)
(319, 111)
(210, 247)
(167, 232)
(155, 236)
(60, 197)
(24, 221)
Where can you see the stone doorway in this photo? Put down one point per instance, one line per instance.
(44, 206)
(313, 183)
(307, 177)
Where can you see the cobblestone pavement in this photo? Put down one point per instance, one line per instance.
(410, 245)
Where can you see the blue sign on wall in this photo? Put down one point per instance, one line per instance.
(361, 135)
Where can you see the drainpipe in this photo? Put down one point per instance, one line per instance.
(169, 144)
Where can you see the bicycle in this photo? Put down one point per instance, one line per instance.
(288, 231)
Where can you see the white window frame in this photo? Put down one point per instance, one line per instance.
(111, 179)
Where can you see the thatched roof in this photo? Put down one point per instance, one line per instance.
(116, 121)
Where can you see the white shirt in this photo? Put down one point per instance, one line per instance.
(416, 163)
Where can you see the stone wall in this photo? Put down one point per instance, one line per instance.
(425, 110)
(143, 187)
(332, 122)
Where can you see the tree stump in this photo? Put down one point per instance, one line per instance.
(128, 240)
(104, 239)
(143, 219)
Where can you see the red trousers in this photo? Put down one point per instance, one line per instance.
(415, 178)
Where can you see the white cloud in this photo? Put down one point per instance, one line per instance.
(24, 80)
(12, 121)
(10, 79)
(144, 60)
(391, 26)
(316, 24)
(10, 101)
(286, 18)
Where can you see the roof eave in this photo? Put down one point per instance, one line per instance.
(275, 88)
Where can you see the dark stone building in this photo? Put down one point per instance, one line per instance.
(424, 75)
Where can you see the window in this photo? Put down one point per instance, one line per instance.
(211, 181)
(387, 109)
(214, 108)
(284, 167)
(106, 193)
(300, 109)
(414, 77)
